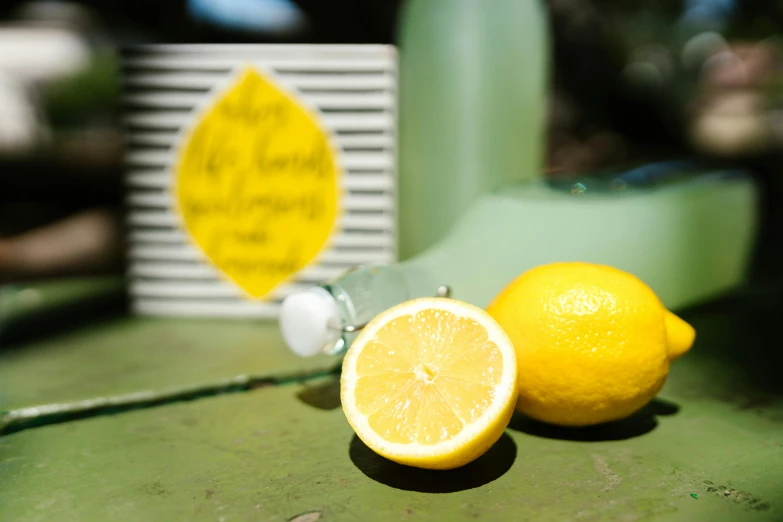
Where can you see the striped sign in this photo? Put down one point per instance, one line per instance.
(352, 89)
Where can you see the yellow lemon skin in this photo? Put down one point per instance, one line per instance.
(593, 343)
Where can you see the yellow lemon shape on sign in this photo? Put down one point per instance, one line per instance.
(256, 185)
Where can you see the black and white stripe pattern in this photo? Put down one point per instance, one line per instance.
(353, 88)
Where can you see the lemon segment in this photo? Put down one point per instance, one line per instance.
(430, 383)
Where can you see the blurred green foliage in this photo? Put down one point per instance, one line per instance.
(89, 95)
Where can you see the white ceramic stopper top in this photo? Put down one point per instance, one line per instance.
(310, 321)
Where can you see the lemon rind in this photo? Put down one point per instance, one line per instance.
(505, 390)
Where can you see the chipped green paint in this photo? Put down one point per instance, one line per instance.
(266, 454)
(130, 360)
(285, 452)
(126, 361)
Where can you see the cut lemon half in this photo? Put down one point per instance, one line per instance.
(430, 383)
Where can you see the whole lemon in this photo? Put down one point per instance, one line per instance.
(593, 343)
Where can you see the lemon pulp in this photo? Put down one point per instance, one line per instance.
(431, 382)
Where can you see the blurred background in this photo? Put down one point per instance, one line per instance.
(631, 81)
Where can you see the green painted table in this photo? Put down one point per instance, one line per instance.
(70, 349)
(278, 448)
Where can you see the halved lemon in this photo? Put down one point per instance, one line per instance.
(430, 383)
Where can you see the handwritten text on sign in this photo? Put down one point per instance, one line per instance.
(257, 185)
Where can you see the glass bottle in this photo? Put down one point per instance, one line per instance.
(687, 233)
(472, 101)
